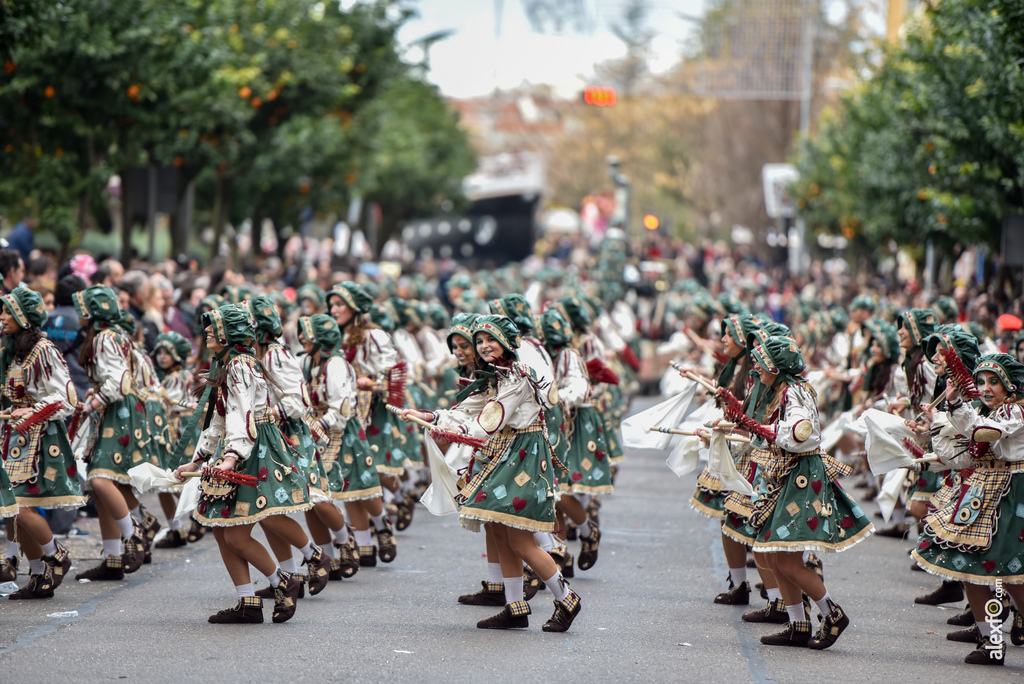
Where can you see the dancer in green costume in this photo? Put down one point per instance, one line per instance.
(39, 462)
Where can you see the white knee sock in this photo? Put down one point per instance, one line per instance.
(36, 566)
(389, 496)
(822, 603)
(773, 594)
(174, 524)
(111, 547)
(557, 586)
(378, 521)
(494, 573)
(288, 565)
(796, 613)
(50, 547)
(341, 534)
(274, 578)
(584, 529)
(307, 550)
(137, 512)
(899, 516)
(738, 575)
(545, 540)
(985, 629)
(362, 537)
(245, 590)
(513, 589)
(12, 549)
(126, 526)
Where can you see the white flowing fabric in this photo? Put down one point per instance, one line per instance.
(636, 432)
(889, 494)
(440, 495)
(833, 432)
(721, 465)
(884, 442)
(689, 451)
(147, 476)
(188, 499)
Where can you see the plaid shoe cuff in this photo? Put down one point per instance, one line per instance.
(251, 602)
(571, 602)
(113, 562)
(519, 608)
(494, 586)
(367, 550)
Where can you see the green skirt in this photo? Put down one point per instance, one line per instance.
(304, 455)
(359, 476)
(161, 443)
(120, 440)
(738, 508)
(381, 433)
(412, 437)
(515, 488)
(1002, 560)
(613, 402)
(811, 512)
(8, 502)
(555, 421)
(587, 457)
(925, 486)
(280, 489)
(56, 485)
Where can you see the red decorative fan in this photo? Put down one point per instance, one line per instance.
(912, 447)
(960, 376)
(600, 372)
(734, 411)
(30, 420)
(397, 377)
(230, 476)
(438, 434)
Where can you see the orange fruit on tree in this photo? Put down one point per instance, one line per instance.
(256, 102)
(49, 91)
(244, 92)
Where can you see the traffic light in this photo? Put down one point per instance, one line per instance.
(600, 96)
(651, 222)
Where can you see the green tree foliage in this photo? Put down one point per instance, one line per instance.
(931, 146)
(254, 100)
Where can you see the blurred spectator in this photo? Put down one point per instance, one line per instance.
(41, 271)
(109, 273)
(173, 320)
(21, 239)
(136, 285)
(12, 269)
(63, 330)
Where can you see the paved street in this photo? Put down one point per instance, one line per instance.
(647, 615)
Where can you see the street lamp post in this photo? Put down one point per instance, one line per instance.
(623, 193)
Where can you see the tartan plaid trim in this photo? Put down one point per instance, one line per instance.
(570, 602)
(977, 536)
(367, 550)
(494, 586)
(113, 561)
(250, 602)
(518, 608)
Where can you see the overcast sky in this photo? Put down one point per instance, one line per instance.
(474, 61)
